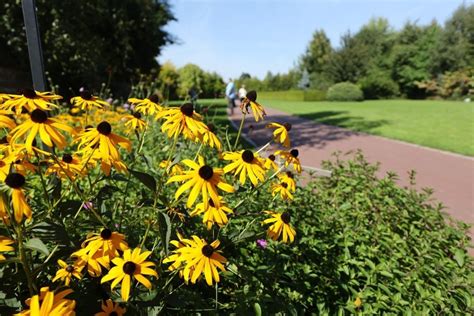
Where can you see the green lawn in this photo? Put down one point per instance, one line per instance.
(447, 125)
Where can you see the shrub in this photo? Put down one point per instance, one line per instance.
(294, 95)
(314, 95)
(345, 91)
(378, 86)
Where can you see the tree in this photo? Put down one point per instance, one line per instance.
(317, 53)
(191, 79)
(89, 42)
(168, 81)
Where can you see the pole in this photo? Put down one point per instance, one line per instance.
(34, 44)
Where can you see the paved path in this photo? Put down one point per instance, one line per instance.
(450, 175)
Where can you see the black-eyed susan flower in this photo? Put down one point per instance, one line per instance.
(48, 303)
(6, 121)
(104, 140)
(94, 262)
(201, 179)
(4, 216)
(68, 167)
(109, 242)
(147, 106)
(47, 128)
(182, 120)
(245, 164)
(289, 179)
(270, 163)
(210, 139)
(131, 266)
(16, 181)
(282, 189)
(67, 272)
(134, 122)
(4, 97)
(280, 134)
(30, 100)
(109, 308)
(213, 214)
(86, 101)
(251, 101)
(290, 157)
(195, 257)
(5, 246)
(280, 226)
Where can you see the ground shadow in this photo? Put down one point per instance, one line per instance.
(341, 119)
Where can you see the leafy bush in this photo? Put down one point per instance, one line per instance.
(456, 85)
(294, 95)
(314, 95)
(345, 91)
(378, 86)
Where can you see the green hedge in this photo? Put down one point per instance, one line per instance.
(293, 95)
(345, 91)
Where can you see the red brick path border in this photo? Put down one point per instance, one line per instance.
(450, 175)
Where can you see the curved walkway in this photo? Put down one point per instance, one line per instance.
(450, 175)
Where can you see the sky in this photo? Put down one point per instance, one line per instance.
(256, 36)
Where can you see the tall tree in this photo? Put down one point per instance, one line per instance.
(317, 53)
(89, 42)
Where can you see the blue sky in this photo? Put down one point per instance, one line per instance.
(255, 36)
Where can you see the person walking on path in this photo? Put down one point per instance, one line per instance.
(242, 92)
(230, 95)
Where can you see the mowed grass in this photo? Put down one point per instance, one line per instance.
(446, 125)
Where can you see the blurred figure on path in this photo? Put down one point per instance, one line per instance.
(230, 95)
(242, 92)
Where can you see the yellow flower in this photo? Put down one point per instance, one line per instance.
(107, 241)
(110, 308)
(4, 216)
(147, 106)
(201, 179)
(94, 262)
(4, 97)
(86, 101)
(67, 271)
(288, 179)
(280, 134)
(20, 207)
(176, 169)
(209, 138)
(282, 189)
(69, 167)
(5, 121)
(251, 101)
(182, 120)
(245, 164)
(47, 128)
(5, 246)
(132, 265)
(280, 226)
(134, 122)
(195, 256)
(270, 163)
(358, 302)
(49, 303)
(30, 100)
(104, 140)
(290, 157)
(213, 214)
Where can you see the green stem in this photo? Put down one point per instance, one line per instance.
(43, 183)
(24, 261)
(240, 130)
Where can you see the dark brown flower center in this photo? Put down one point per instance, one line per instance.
(29, 93)
(252, 95)
(113, 314)
(86, 95)
(287, 126)
(2, 163)
(38, 116)
(154, 98)
(285, 185)
(106, 233)
(70, 269)
(104, 128)
(15, 180)
(271, 157)
(289, 174)
(294, 153)
(137, 115)
(285, 217)
(129, 267)
(206, 172)
(247, 156)
(67, 158)
(207, 250)
(187, 109)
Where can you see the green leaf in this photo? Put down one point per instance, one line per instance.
(165, 229)
(37, 245)
(257, 309)
(459, 257)
(146, 179)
